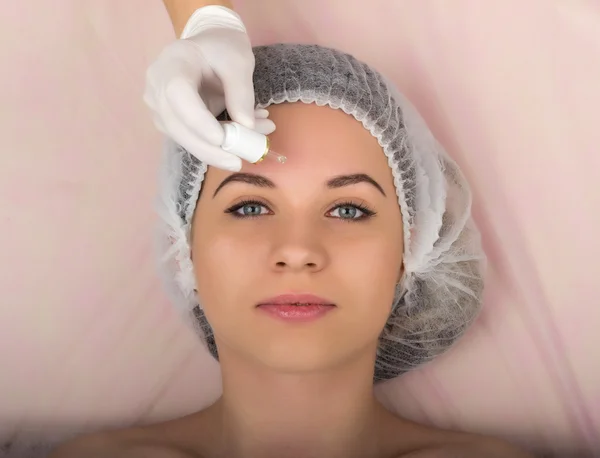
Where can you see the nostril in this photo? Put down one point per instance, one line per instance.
(296, 265)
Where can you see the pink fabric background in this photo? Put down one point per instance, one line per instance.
(86, 336)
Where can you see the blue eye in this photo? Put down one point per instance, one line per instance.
(347, 212)
(248, 209)
(350, 211)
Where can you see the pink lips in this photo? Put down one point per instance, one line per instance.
(296, 307)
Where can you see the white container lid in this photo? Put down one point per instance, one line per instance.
(245, 143)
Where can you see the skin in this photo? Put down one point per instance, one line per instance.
(181, 10)
(297, 389)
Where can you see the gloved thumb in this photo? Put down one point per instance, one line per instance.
(239, 97)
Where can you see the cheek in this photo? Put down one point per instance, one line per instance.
(370, 268)
(221, 260)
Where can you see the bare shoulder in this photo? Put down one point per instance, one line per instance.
(477, 448)
(419, 441)
(122, 444)
(186, 437)
(92, 446)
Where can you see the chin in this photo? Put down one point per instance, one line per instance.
(292, 359)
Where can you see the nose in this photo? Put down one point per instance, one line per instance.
(299, 252)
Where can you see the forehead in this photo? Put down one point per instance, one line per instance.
(319, 142)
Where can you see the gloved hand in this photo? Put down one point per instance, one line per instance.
(196, 77)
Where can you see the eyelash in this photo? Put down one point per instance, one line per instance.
(362, 207)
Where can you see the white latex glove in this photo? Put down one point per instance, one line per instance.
(196, 77)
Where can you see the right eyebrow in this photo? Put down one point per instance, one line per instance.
(348, 180)
(249, 178)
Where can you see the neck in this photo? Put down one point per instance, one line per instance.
(264, 413)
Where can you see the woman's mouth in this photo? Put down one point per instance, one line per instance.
(296, 307)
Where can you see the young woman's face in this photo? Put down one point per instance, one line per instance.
(325, 223)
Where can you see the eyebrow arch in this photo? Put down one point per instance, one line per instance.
(263, 182)
(347, 180)
(250, 178)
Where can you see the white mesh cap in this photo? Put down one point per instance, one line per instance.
(440, 293)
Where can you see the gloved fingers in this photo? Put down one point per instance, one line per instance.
(197, 146)
(182, 134)
(216, 105)
(216, 157)
(238, 88)
(261, 113)
(264, 126)
(188, 108)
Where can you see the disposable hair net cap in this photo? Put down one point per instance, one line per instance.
(440, 293)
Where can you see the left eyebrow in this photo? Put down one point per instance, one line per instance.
(348, 180)
(249, 178)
